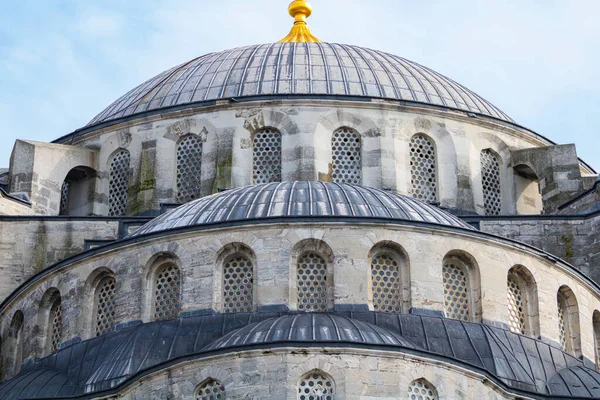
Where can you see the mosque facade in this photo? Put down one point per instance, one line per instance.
(299, 220)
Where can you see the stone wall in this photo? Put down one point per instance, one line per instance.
(11, 206)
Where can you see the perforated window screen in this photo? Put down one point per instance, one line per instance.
(490, 177)
(316, 386)
(421, 390)
(64, 199)
(167, 292)
(423, 168)
(312, 283)
(237, 285)
(346, 156)
(562, 324)
(118, 183)
(267, 156)
(55, 324)
(189, 168)
(456, 291)
(105, 306)
(212, 390)
(516, 307)
(387, 284)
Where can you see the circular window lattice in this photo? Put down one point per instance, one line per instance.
(105, 306)
(312, 283)
(118, 183)
(55, 324)
(237, 285)
(346, 156)
(562, 328)
(212, 390)
(385, 278)
(64, 199)
(490, 177)
(516, 310)
(167, 293)
(421, 390)
(316, 386)
(189, 169)
(423, 169)
(267, 156)
(456, 298)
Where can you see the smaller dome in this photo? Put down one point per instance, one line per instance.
(300, 200)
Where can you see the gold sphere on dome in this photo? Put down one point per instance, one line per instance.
(300, 8)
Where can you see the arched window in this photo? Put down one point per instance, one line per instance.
(568, 321)
(237, 284)
(266, 156)
(596, 322)
(64, 199)
(389, 279)
(167, 292)
(461, 287)
(346, 156)
(104, 306)
(16, 340)
(490, 178)
(316, 385)
(312, 283)
(423, 167)
(522, 302)
(211, 390)
(421, 389)
(55, 323)
(189, 168)
(118, 185)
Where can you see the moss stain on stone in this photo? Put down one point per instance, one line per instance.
(223, 174)
(568, 242)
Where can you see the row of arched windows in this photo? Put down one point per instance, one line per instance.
(346, 167)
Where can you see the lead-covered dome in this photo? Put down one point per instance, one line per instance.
(332, 201)
(287, 69)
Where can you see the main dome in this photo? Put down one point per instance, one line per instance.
(296, 69)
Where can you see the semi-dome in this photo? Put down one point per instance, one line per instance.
(295, 69)
(298, 200)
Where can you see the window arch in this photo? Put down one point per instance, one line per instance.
(167, 292)
(55, 323)
(461, 287)
(389, 279)
(266, 156)
(346, 152)
(211, 390)
(189, 168)
(104, 306)
(118, 183)
(568, 321)
(596, 322)
(16, 340)
(238, 284)
(421, 389)
(490, 178)
(423, 167)
(316, 385)
(313, 288)
(523, 315)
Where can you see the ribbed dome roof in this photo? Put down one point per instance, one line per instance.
(300, 199)
(297, 69)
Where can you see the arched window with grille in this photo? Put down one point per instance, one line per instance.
(312, 282)
(211, 390)
(266, 156)
(421, 389)
(104, 306)
(64, 199)
(461, 288)
(16, 341)
(118, 183)
(568, 321)
(423, 168)
(189, 168)
(389, 279)
(238, 284)
(55, 323)
(346, 152)
(522, 304)
(490, 179)
(167, 292)
(596, 322)
(316, 385)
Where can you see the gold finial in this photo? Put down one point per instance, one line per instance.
(300, 10)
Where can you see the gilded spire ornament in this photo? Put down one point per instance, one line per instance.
(300, 10)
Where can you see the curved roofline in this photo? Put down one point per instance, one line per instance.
(199, 104)
(287, 220)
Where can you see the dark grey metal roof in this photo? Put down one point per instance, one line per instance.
(112, 361)
(300, 199)
(297, 68)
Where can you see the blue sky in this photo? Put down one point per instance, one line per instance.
(63, 61)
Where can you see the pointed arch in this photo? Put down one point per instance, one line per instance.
(312, 268)
(390, 278)
(462, 287)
